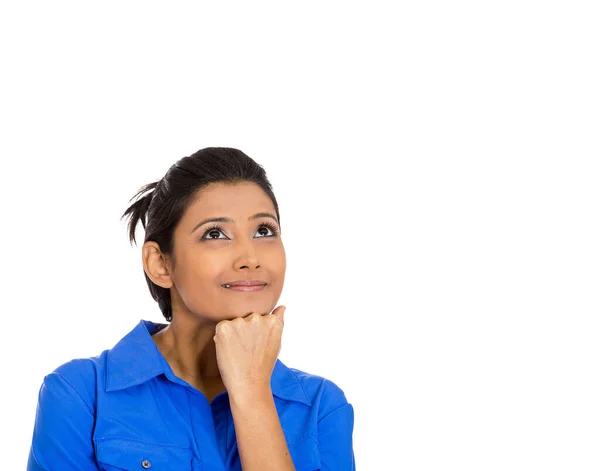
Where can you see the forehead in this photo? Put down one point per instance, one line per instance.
(229, 199)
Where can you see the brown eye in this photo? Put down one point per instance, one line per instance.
(210, 232)
(268, 227)
(264, 229)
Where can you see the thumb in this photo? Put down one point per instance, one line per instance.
(279, 313)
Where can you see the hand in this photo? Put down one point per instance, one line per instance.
(247, 350)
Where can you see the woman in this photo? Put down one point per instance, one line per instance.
(205, 391)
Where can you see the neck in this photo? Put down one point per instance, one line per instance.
(189, 348)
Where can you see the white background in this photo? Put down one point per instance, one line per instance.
(436, 168)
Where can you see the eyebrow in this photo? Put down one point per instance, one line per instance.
(226, 219)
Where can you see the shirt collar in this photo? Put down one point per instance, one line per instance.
(136, 359)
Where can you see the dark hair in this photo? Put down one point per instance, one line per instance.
(160, 210)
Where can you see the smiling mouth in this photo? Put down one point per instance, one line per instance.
(245, 287)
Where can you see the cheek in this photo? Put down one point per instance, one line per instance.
(197, 276)
(282, 265)
(278, 258)
(198, 287)
(283, 261)
(278, 268)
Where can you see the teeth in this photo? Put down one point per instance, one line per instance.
(227, 286)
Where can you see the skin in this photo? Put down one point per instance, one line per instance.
(200, 263)
(221, 339)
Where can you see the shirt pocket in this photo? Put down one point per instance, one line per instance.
(116, 454)
(305, 453)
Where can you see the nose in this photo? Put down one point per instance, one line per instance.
(246, 256)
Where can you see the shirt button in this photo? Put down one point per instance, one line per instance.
(146, 464)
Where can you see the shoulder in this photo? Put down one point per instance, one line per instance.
(65, 417)
(77, 378)
(81, 370)
(323, 392)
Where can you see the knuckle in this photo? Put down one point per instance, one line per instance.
(222, 326)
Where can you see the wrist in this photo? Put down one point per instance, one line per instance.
(250, 394)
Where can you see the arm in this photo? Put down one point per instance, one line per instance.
(335, 439)
(62, 434)
(261, 442)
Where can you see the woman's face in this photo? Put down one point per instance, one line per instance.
(208, 254)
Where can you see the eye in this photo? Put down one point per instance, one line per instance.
(211, 231)
(269, 226)
(216, 230)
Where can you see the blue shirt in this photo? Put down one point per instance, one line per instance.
(126, 410)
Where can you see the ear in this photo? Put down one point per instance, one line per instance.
(156, 265)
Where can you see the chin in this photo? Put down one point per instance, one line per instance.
(249, 308)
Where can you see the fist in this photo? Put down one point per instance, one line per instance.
(247, 349)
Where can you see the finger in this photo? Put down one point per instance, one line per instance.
(278, 312)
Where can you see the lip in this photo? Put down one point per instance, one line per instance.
(245, 285)
(247, 288)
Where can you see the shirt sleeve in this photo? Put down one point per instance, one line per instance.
(62, 434)
(335, 439)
